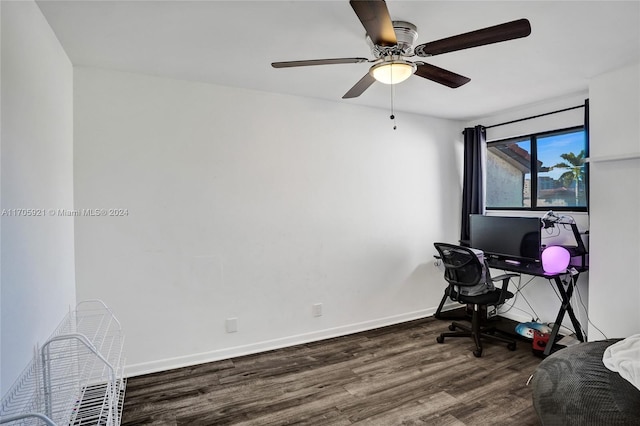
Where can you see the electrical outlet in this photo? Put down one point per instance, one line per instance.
(316, 309)
(231, 325)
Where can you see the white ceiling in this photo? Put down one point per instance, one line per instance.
(233, 43)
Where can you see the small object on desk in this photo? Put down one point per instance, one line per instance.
(555, 259)
(513, 262)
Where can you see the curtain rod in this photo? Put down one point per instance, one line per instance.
(534, 116)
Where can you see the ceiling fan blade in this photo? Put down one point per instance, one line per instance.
(318, 62)
(503, 32)
(375, 19)
(360, 87)
(440, 75)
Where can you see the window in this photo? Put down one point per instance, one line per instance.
(538, 172)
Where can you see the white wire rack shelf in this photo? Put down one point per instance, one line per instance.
(76, 377)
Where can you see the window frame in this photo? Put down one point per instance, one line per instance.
(533, 140)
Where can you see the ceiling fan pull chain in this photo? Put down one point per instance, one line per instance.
(392, 116)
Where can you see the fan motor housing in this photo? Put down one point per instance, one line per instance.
(406, 35)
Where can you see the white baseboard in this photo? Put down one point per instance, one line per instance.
(267, 345)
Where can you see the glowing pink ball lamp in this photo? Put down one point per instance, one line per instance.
(555, 259)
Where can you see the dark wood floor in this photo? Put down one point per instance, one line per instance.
(396, 375)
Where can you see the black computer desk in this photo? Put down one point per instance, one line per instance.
(535, 269)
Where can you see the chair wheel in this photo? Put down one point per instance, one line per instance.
(477, 353)
(511, 346)
(440, 339)
(452, 327)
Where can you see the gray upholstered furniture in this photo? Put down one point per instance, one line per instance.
(573, 387)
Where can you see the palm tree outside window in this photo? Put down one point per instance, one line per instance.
(575, 174)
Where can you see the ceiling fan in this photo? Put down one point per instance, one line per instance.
(391, 43)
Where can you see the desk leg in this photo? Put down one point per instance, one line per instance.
(569, 308)
(565, 306)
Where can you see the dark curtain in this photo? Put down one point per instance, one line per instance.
(586, 154)
(472, 191)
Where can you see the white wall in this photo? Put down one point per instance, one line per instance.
(615, 202)
(538, 299)
(254, 206)
(37, 267)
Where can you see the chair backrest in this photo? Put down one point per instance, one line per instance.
(464, 270)
(462, 266)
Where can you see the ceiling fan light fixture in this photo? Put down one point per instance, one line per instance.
(392, 72)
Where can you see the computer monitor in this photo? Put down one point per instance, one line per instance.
(515, 238)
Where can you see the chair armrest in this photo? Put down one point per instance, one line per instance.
(504, 276)
(505, 284)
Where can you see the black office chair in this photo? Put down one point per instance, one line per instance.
(464, 271)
